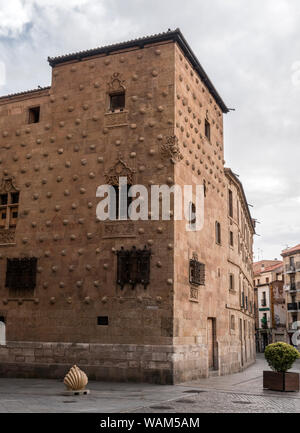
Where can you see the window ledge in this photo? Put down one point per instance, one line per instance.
(115, 112)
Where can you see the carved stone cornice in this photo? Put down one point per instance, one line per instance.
(119, 169)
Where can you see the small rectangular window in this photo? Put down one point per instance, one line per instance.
(207, 129)
(231, 282)
(231, 238)
(218, 233)
(117, 101)
(34, 115)
(230, 203)
(102, 320)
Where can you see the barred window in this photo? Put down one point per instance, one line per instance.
(197, 273)
(133, 267)
(21, 276)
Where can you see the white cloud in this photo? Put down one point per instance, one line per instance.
(14, 15)
(2, 74)
(296, 74)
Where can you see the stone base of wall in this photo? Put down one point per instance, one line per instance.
(105, 362)
(161, 364)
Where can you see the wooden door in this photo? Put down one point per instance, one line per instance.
(211, 342)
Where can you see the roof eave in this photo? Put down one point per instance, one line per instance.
(175, 36)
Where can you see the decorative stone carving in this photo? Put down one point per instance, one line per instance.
(7, 236)
(117, 229)
(8, 185)
(170, 149)
(119, 169)
(75, 379)
(116, 83)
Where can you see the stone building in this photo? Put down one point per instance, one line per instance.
(291, 260)
(125, 300)
(270, 303)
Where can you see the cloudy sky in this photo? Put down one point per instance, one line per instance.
(250, 50)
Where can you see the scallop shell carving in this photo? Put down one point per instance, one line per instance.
(76, 379)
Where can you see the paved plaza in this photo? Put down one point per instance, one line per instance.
(241, 392)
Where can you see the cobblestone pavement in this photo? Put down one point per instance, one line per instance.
(241, 393)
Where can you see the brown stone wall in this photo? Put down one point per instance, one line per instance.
(58, 164)
(203, 162)
(156, 334)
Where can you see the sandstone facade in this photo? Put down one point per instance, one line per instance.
(58, 144)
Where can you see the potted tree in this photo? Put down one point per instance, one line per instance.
(280, 357)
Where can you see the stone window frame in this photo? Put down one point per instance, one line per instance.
(9, 189)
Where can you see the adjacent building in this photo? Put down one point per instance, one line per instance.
(270, 303)
(291, 260)
(141, 300)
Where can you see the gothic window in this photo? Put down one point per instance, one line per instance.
(116, 92)
(197, 272)
(21, 276)
(133, 267)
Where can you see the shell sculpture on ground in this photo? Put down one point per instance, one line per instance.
(76, 379)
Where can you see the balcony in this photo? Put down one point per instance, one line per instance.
(290, 269)
(292, 306)
(292, 287)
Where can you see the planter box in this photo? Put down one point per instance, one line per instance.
(281, 381)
